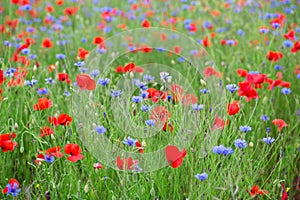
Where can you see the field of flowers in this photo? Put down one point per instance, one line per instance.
(149, 99)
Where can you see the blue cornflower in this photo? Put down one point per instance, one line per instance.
(222, 150)
(100, 129)
(101, 50)
(264, 118)
(268, 140)
(115, 93)
(204, 91)
(49, 158)
(245, 129)
(79, 64)
(145, 108)
(143, 86)
(298, 76)
(60, 56)
(150, 122)
(144, 94)
(49, 81)
(13, 190)
(268, 130)
(232, 87)
(278, 67)
(32, 56)
(95, 73)
(42, 91)
(83, 69)
(165, 76)
(230, 42)
(202, 176)
(67, 93)
(197, 107)
(137, 99)
(240, 32)
(103, 81)
(169, 97)
(286, 91)
(30, 83)
(288, 43)
(147, 77)
(240, 143)
(129, 141)
(10, 72)
(181, 59)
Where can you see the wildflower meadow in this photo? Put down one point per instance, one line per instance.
(150, 99)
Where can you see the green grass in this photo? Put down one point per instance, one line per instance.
(228, 176)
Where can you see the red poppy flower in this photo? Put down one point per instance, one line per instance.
(85, 82)
(46, 131)
(256, 78)
(139, 147)
(177, 92)
(296, 47)
(47, 43)
(242, 72)
(64, 77)
(130, 67)
(13, 183)
(146, 23)
(126, 163)
(98, 40)
(284, 195)
(177, 49)
(210, 71)
(64, 119)
(53, 121)
(218, 123)
(71, 10)
(247, 90)
(168, 127)
(74, 151)
(174, 156)
(2, 77)
(255, 190)
(82, 53)
(233, 108)
(55, 151)
(6, 144)
(274, 56)
(189, 99)
(206, 42)
(290, 35)
(160, 114)
(43, 103)
(279, 123)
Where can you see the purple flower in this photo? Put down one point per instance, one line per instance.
(100, 129)
(240, 143)
(43, 91)
(197, 107)
(137, 99)
(49, 158)
(232, 88)
(268, 140)
(150, 122)
(202, 176)
(245, 129)
(264, 118)
(129, 141)
(103, 81)
(286, 91)
(222, 150)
